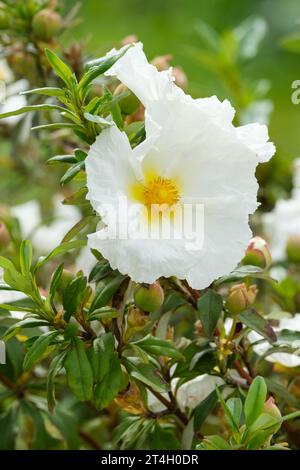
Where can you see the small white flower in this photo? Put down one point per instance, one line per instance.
(192, 151)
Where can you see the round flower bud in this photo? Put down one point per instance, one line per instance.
(180, 76)
(271, 409)
(258, 253)
(293, 248)
(46, 23)
(129, 104)
(240, 297)
(4, 236)
(149, 298)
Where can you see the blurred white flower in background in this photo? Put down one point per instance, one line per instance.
(45, 237)
(192, 152)
(283, 358)
(190, 394)
(12, 99)
(284, 221)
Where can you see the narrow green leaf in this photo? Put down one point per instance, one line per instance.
(47, 91)
(62, 69)
(26, 323)
(210, 308)
(159, 347)
(62, 159)
(105, 290)
(77, 228)
(97, 120)
(79, 371)
(25, 257)
(38, 348)
(256, 322)
(108, 388)
(72, 172)
(60, 250)
(255, 400)
(54, 368)
(55, 278)
(27, 109)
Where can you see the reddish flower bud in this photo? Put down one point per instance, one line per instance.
(258, 253)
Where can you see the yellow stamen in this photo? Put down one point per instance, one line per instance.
(160, 191)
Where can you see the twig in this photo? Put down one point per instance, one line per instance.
(90, 440)
(242, 372)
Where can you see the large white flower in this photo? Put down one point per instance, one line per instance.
(192, 152)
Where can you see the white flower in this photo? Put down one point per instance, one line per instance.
(192, 151)
(283, 358)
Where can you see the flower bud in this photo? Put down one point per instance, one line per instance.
(129, 40)
(129, 104)
(258, 253)
(162, 62)
(240, 297)
(46, 23)
(180, 76)
(293, 248)
(149, 298)
(271, 409)
(4, 236)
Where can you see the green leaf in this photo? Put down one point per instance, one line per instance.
(101, 354)
(282, 392)
(97, 120)
(229, 415)
(72, 172)
(55, 278)
(55, 125)
(210, 308)
(159, 347)
(77, 228)
(27, 109)
(98, 67)
(8, 428)
(236, 407)
(215, 443)
(60, 250)
(54, 368)
(255, 400)
(242, 273)
(13, 278)
(256, 322)
(38, 348)
(104, 313)
(105, 290)
(62, 159)
(204, 409)
(78, 198)
(61, 69)
(26, 323)
(47, 91)
(73, 295)
(79, 371)
(145, 373)
(25, 257)
(108, 388)
(208, 35)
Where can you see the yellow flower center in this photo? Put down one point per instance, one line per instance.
(160, 191)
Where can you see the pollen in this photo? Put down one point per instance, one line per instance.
(160, 191)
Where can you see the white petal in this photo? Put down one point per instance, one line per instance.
(255, 137)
